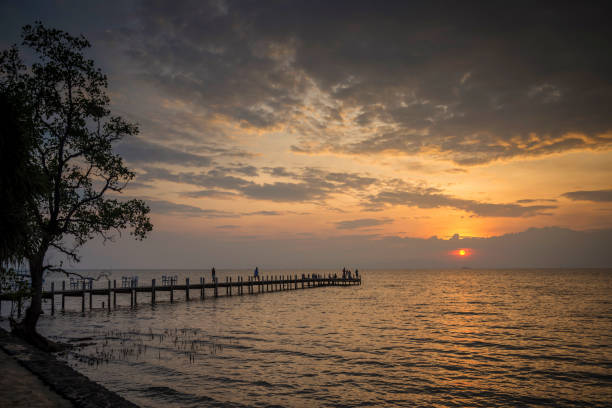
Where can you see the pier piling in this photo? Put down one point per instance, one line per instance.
(52, 298)
(83, 299)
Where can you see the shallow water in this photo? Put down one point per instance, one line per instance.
(404, 338)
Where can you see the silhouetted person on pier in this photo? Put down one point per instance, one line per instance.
(256, 273)
(356, 273)
(214, 274)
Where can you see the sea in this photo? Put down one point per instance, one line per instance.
(403, 338)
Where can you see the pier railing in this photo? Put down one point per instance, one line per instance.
(238, 287)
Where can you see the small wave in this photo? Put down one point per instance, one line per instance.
(183, 399)
(462, 313)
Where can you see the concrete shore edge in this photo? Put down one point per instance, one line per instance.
(60, 377)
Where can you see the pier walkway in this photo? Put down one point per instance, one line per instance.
(238, 287)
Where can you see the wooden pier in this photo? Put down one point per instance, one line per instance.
(238, 287)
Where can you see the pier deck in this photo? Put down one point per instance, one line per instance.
(238, 287)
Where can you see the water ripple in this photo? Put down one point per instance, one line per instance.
(403, 338)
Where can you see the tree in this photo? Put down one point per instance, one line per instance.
(19, 178)
(71, 131)
(18, 181)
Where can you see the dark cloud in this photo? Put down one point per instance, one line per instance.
(597, 196)
(350, 180)
(536, 200)
(316, 185)
(211, 193)
(475, 83)
(309, 184)
(136, 184)
(278, 172)
(285, 192)
(468, 149)
(138, 150)
(247, 170)
(198, 52)
(361, 223)
(264, 212)
(432, 198)
(168, 207)
(214, 178)
(217, 151)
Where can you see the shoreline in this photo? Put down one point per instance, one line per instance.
(62, 380)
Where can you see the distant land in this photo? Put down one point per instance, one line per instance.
(551, 247)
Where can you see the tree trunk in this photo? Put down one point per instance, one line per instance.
(26, 329)
(35, 310)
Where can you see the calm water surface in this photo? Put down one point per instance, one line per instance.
(404, 338)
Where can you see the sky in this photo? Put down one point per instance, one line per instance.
(318, 134)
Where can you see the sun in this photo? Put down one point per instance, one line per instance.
(462, 252)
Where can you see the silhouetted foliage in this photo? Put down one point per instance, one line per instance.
(64, 108)
(19, 181)
(19, 178)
